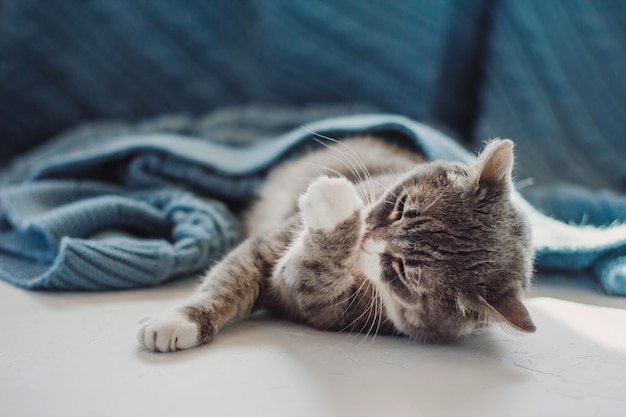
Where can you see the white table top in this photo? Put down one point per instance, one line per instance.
(76, 355)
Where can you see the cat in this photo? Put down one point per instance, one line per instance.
(365, 235)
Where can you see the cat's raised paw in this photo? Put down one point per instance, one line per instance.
(167, 332)
(328, 202)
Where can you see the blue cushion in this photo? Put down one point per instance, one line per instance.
(554, 82)
(65, 61)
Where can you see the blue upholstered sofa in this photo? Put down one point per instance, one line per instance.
(548, 74)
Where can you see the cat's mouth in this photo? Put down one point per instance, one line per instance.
(363, 240)
(364, 243)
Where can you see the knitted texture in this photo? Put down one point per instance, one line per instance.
(78, 235)
(67, 61)
(49, 206)
(577, 205)
(554, 82)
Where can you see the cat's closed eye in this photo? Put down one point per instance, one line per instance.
(398, 265)
(399, 207)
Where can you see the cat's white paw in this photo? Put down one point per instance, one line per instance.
(167, 332)
(328, 202)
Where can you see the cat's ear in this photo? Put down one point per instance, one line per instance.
(495, 163)
(509, 308)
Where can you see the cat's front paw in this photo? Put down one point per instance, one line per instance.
(328, 202)
(167, 332)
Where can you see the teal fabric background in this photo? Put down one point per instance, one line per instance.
(64, 61)
(548, 74)
(555, 82)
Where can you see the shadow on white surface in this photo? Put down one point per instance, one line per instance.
(76, 355)
(558, 370)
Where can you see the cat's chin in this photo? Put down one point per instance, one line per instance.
(368, 259)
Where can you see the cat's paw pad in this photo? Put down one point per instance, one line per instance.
(328, 202)
(167, 332)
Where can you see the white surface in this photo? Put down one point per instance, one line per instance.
(76, 355)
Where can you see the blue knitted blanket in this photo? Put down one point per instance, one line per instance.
(138, 210)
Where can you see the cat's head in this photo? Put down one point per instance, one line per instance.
(446, 249)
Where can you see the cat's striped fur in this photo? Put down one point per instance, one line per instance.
(366, 236)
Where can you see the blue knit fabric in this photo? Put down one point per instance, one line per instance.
(91, 217)
(576, 204)
(81, 235)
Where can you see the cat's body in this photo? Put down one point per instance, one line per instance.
(367, 236)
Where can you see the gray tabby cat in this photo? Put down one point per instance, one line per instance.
(367, 236)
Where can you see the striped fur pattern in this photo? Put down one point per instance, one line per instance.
(366, 236)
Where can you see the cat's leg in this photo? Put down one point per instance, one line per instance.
(230, 291)
(318, 268)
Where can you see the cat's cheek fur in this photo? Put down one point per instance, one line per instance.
(167, 332)
(369, 263)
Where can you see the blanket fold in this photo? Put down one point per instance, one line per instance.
(140, 209)
(82, 235)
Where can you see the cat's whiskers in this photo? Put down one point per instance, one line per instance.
(357, 168)
(378, 316)
(408, 196)
(366, 172)
(347, 163)
(387, 190)
(353, 157)
(381, 312)
(312, 164)
(431, 268)
(352, 153)
(365, 311)
(354, 170)
(396, 277)
(372, 312)
(352, 296)
(430, 205)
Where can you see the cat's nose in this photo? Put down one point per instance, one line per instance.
(363, 239)
(372, 246)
